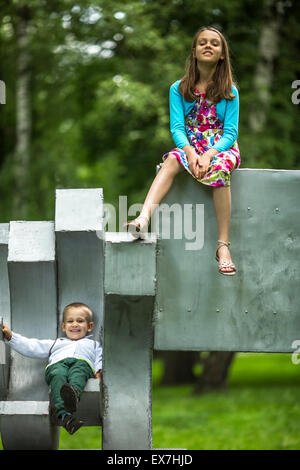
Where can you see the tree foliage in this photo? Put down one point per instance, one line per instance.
(100, 77)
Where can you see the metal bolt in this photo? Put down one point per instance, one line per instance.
(277, 210)
(160, 309)
(274, 313)
(217, 310)
(189, 310)
(248, 208)
(246, 311)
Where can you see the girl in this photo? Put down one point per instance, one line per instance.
(204, 109)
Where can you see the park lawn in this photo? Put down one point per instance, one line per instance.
(259, 410)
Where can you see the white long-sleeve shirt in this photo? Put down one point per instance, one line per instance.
(61, 348)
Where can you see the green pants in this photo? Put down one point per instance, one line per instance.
(72, 370)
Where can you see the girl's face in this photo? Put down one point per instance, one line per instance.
(76, 325)
(208, 47)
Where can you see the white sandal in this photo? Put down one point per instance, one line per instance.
(225, 264)
(138, 227)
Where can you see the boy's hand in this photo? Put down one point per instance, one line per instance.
(7, 333)
(98, 375)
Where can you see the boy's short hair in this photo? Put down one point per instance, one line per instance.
(83, 307)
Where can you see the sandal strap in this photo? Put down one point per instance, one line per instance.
(226, 264)
(135, 221)
(143, 217)
(221, 243)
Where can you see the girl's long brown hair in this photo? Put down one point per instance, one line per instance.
(221, 83)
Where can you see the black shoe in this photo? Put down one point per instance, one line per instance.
(71, 424)
(70, 397)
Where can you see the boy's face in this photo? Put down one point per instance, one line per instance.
(76, 324)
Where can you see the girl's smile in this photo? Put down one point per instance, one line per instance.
(208, 45)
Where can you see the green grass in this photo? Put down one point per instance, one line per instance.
(260, 410)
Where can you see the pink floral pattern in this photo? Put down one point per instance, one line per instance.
(204, 130)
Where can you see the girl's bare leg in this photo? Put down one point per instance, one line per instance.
(222, 205)
(161, 185)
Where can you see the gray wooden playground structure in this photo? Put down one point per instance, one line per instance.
(160, 293)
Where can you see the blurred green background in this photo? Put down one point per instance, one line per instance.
(87, 87)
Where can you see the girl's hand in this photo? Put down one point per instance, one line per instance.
(193, 160)
(7, 333)
(204, 162)
(199, 164)
(98, 375)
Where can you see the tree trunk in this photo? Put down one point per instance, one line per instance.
(23, 114)
(215, 371)
(178, 367)
(268, 51)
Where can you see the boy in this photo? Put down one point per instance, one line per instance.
(72, 360)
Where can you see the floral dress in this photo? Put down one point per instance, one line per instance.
(204, 129)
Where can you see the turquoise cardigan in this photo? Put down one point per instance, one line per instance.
(227, 112)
